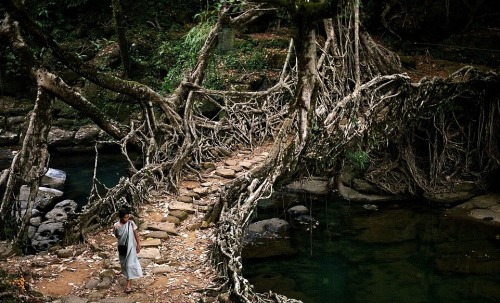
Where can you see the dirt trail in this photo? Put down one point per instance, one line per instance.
(180, 266)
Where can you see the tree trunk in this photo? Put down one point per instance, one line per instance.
(122, 38)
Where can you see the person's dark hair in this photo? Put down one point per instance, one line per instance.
(122, 213)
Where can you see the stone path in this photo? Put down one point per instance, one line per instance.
(175, 255)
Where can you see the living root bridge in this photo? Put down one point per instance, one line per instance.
(388, 108)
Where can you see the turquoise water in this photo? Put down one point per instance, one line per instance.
(80, 170)
(405, 252)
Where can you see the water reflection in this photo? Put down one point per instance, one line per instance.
(80, 170)
(404, 252)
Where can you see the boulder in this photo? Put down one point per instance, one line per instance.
(45, 199)
(87, 134)
(59, 137)
(314, 185)
(298, 210)
(266, 229)
(54, 178)
(48, 234)
(353, 195)
(57, 215)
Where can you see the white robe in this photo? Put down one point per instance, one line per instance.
(129, 263)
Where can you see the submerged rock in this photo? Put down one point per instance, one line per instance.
(485, 208)
(298, 210)
(314, 185)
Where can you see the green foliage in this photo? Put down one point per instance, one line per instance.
(246, 57)
(185, 52)
(359, 158)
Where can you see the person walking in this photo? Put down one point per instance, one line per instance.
(129, 246)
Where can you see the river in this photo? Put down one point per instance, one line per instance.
(400, 252)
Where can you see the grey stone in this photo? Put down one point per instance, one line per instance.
(45, 199)
(59, 137)
(74, 299)
(182, 215)
(35, 221)
(87, 134)
(162, 269)
(92, 283)
(158, 235)
(132, 298)
(151, 242)
(164, 226)
(484, 201)
(105, 283)
(172, 219)
(145, 262)
(54, 178)
(47, 235)
(69, 206)
(31, 231)
(310, 185)
(57, 215)
(64, 253)
(448, 198)
(273, 225)
(353, 195)
(149, 253)
(485, 214)
(298, 210)
(185, 199)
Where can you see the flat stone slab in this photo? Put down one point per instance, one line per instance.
(165, 226)
(231, 162)
(236, 168)
(158, 235)
(185, 199)
(74, 299)
(202, 191)
(149, 253)
(162, 269)
(132, 298)
(226, 173)
(181, 206)
(246, 164)
(150, 242)
(206, 184)
(182, 215)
